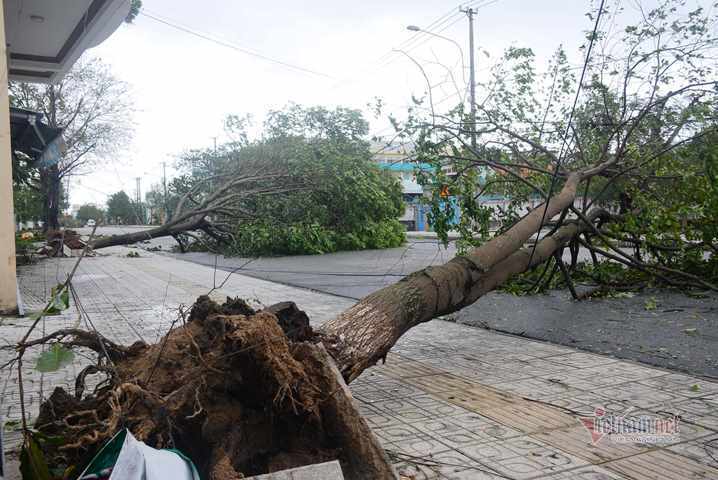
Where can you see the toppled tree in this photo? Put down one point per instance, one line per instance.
(644, 128)
(327, 194)
(207, 203)
(633, 132)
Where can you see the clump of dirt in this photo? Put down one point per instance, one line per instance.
(240, 392)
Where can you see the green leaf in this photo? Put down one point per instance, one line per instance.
(54, 359)
(32, 462)
(651, 303)
(60, 300)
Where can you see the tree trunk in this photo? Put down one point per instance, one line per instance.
(50, 188)
(157, 232)
(364, 333)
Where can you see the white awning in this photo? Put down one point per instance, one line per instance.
(46, 37)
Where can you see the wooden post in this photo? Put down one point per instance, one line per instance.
(8, 280)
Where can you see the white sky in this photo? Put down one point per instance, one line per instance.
(183, 86)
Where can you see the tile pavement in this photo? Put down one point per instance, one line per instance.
(451, 401)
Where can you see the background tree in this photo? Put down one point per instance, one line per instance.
(156, 205)
(26, 195)
(120, 209)
(94, 110)
(348, 203)
(135, 7)
(89, 212)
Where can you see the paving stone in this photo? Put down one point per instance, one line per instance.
(704, 450)
(523, 458)
(451, 402)
(661, 464)
(320, 471)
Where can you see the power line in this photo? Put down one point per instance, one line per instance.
(568, 128)
(420, 38)
(232, 46)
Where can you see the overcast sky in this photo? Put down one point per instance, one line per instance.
(183, 85)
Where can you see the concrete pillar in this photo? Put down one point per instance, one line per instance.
(8, 280)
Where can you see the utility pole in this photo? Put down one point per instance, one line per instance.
(138, 201)
(164, 186)
(470, 12)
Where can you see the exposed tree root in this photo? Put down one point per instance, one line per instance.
(239, 392)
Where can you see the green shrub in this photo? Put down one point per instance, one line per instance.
(264, 238)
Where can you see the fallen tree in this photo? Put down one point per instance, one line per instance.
(306, 185)
(247, 392)
(207, 201)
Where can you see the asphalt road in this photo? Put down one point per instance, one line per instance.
(658, 327)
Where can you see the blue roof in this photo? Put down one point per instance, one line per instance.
(405, 167)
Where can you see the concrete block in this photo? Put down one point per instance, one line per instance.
(320, 471)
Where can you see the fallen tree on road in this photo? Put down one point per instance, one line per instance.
(242, 395)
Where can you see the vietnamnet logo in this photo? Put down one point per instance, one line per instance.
(631, 428)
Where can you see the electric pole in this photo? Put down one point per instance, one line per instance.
(470, 12)
(138, 201)
(164, 186)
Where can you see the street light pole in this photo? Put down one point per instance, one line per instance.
(414, 28)
(472, 77)
(470, 12)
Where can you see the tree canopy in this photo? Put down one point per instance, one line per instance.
(89, 212)
(342, 200)
(637, 125)
(120, 209)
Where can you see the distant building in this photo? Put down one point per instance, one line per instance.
(397, 160)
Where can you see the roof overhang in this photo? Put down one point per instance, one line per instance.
(29, 134)
(45, 38)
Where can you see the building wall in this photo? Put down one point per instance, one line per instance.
(8, 281)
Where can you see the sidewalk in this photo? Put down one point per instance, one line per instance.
(451, 402)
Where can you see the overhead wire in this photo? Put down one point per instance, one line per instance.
(568, 128)
(421, 37)
(214, 39)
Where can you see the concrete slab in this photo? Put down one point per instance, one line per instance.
(320, 471)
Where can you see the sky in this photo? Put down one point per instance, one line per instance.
(183, 85)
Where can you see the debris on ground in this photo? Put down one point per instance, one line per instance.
(240, 392)
(62, 243)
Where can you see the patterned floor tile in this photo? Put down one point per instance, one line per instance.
(523, 458)
(661, 464)
(704, 450)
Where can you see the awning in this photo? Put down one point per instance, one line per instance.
(45, 38)
(42, 144)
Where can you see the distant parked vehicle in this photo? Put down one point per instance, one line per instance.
(90, 223)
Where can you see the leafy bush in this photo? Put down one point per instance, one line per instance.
(338, 198)
(264, 238)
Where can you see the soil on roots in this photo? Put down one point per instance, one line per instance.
(240, 392)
